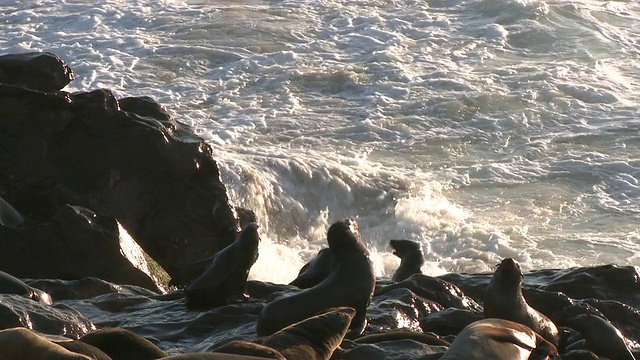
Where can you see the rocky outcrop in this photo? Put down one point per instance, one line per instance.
(35, 70)
(123, 159)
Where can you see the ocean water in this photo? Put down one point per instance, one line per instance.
(483, 129)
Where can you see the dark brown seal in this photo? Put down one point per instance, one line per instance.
(226, 277)
(504, 300)
(350, 283)
(314, 338)
(412, 258)
(601, 336)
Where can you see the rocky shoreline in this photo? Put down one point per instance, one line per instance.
(82, 171)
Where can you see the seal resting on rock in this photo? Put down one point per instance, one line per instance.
(499, 339)
(314, 338)
(350, 283)
(227, 274)
(504, 300)
(22, 343)
(316, 270)
(411, 257)
(121, 343)
(600, 336)
(9, 284)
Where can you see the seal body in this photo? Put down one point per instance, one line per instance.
(9, 284)
(411, 258)
(316, 270)
(351, 283)
(499, 339)
(314, 338)
(22, 343)
(601, 336)
(227, 274)
(504, 300)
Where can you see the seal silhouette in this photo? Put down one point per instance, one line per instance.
(9, 284)
(504, 300)
(316, 270)
(227, 274)
(411, 258)
(499, 339)
(314, 338)
(22, 343)
(350, 283)
(601, 336)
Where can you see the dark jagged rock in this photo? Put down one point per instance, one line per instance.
(398, 309)
(401, 349)
(607, 282)
(59, 319)
(87, 288)
(449, 321)
(440, 291)
(76, 243)
(126, 159)
(35, 70)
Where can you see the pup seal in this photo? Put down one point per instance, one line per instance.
(499, 339)
(504, 300)
(350, 283)
(227, 275)
(316, 270)
(411, 257)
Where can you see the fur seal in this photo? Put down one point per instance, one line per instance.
(350, 283)
(9, 284)
(119, 343)
(412, 258)
(600, 336)
(316, 270)
(83, 348)
(314, 338)
(22, 343)
(248, 348)
(504, 300)
(227, 274)
(499, 339)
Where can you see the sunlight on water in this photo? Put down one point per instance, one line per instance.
(481, 129)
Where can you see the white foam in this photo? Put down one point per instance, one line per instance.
(482, 129)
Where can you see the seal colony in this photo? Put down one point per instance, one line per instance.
(335, 309)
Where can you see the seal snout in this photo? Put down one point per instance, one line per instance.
(395, 245)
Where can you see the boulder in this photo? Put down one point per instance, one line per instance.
(35, 70)
(76, 243)
(124, 159)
